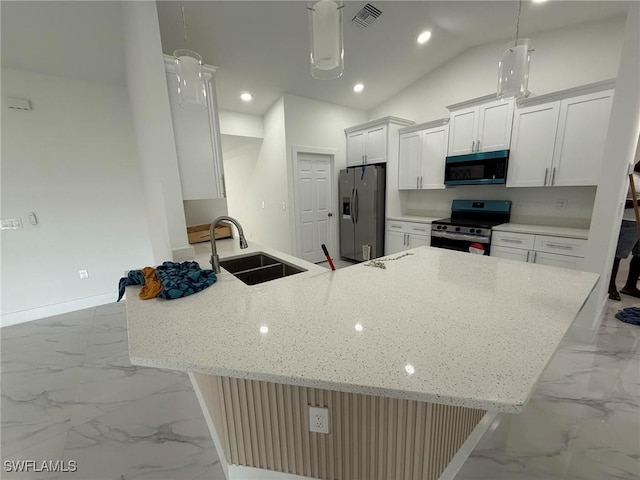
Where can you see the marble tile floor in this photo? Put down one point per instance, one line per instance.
(70, 393)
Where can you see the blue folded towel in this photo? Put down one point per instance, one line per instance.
(177, 279)
(629, 315)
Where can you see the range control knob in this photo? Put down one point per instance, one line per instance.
(444, 227)
(457, 229)
(472, 231)
(439, 227)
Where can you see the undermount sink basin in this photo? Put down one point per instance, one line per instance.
(259, 268)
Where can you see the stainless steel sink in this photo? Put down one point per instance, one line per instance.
(259, 268)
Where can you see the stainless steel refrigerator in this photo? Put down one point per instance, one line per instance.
(362, 198)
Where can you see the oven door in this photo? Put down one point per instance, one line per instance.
(478, 244)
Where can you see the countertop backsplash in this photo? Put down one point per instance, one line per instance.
(534, 205)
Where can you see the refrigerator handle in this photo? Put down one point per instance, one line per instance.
(351, 206)
(357, 206)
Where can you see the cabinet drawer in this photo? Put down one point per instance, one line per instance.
(396, 226)
(419, 229)
(513, 240)
(564, 246)
(409, 227)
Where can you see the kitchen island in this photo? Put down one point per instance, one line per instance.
(408, 358)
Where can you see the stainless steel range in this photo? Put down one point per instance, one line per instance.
(469, 228)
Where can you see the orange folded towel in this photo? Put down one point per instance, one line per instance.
(152, 286)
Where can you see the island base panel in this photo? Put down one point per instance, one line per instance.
(266, 425)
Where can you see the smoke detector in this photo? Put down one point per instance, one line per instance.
(366, 15)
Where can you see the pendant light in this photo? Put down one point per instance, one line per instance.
(513, 67)
(191, 87)
(325, 25)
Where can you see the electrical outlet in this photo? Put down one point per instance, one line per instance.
(14, 223)
(319, 419)
(83, 274)
(562, 203)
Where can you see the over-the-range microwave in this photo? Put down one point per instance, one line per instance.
(482, 168)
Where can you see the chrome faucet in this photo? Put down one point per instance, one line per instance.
(215, 259)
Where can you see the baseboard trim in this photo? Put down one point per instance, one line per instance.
(23, 316)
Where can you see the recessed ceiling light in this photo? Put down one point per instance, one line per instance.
(246, 97)
(424, 37)
(358, 87)
(538, 1)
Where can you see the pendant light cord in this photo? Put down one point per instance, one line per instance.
(517, 22)
(184, 25)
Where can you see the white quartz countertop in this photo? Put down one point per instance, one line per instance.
(414, 218)
(436, 326)
(543, 230)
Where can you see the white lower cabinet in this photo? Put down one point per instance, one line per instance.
(539, 249)
(401, 236)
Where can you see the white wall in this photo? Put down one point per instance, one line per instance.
(311, 123)
(240, 124)
(562, 59)
(259, 174)
(152, 122)
(621, 147)
(73, 161)
(240, 156)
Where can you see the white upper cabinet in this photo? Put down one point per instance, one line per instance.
(582, 131)
(558, 139)
(197, 138)
(423, 149)
(409, 160)
(532, 144)
(371, 142)
(481, 125)
(355, 148)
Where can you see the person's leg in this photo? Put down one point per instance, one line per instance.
(627, 240)
(613, 290)
(631, 285)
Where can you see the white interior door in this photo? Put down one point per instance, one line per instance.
(315, 209)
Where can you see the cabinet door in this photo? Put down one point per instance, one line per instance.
(582, 131)
(510, 253)
(409, 159)
(419, 240)
(355, 148)
(494, 126)
(464, 128)
(434, 152)
(532, 143)
(376, 145)
(192, 131)
(556, 260)
(395, 242)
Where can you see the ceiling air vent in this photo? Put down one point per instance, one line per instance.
(366, 16)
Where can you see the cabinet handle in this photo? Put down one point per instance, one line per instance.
(420, 181)
(418, 229)
(535, 254)
(528, 255)
(395, 226)
(546, 174)
(478, 146)
(511, 240)
(417, 182)
(473, 146)
(564, 247)
(553, 176)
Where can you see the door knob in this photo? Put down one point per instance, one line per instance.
(329, 214)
